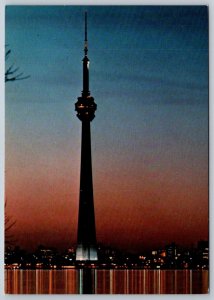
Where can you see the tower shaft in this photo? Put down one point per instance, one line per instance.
(86, 237)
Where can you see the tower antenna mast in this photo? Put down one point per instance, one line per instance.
(86, 38)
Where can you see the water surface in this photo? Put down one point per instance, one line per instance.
(106, 281)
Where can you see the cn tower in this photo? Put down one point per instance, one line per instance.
(85, 106)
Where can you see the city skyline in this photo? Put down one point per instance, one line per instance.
(150, 138)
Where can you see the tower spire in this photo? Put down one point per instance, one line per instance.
(86, 39)
(85, 91)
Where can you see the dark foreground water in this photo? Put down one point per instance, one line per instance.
(106, 281)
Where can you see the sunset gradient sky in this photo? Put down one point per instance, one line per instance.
(149, 78)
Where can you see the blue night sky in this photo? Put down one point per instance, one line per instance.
(149, 78)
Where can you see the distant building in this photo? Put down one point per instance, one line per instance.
(203, 253)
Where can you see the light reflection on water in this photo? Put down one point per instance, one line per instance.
(89, 281)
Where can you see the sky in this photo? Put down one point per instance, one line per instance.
(149, 78)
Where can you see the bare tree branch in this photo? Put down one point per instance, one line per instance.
(8, 225)
(11, 72)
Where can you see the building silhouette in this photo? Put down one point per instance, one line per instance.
(85, 106)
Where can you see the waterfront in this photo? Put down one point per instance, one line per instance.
(92, 281)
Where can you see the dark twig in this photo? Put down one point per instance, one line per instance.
(11, 72)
